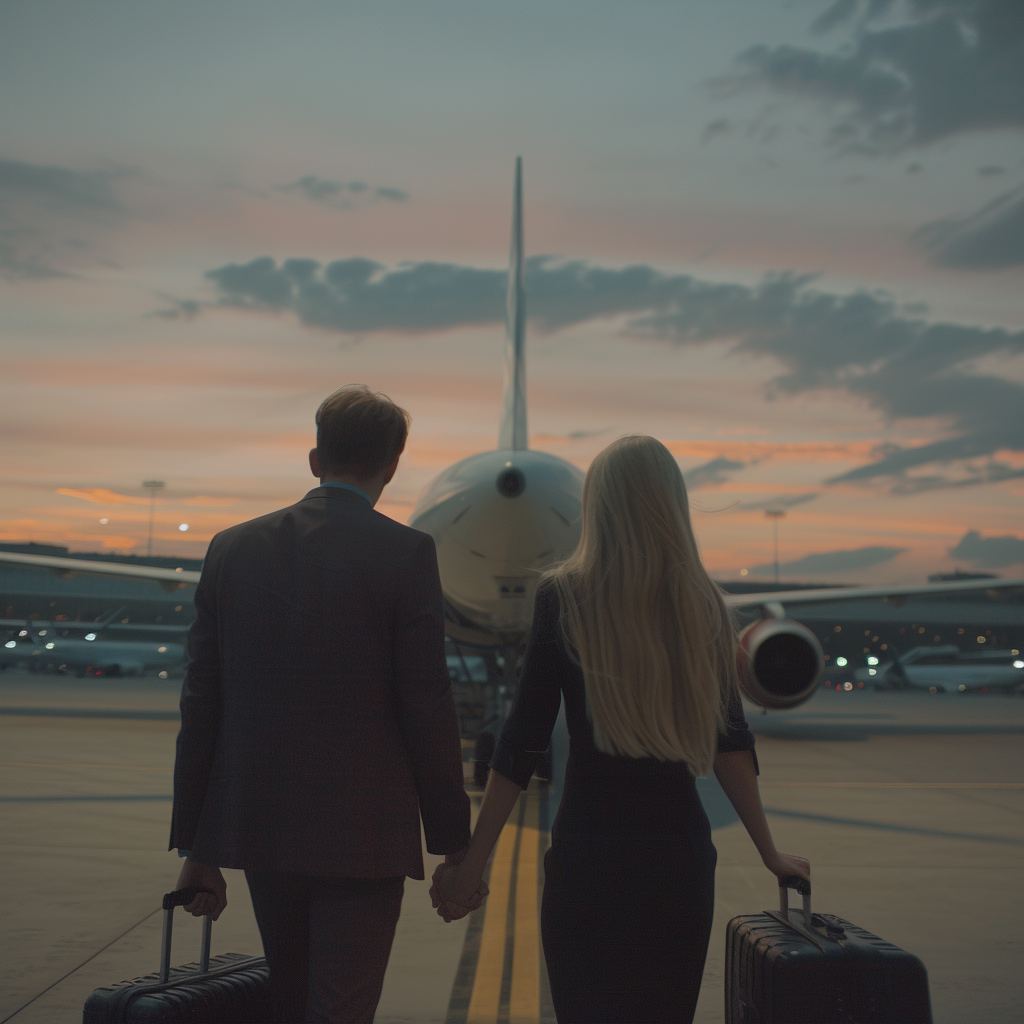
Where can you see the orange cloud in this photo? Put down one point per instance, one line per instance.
(101, 496)
(753, 487)
(205, 501)
(784, 451)
(1015, 459)
(20, 531)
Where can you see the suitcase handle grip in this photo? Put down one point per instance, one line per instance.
(802, 886)
(182, 898)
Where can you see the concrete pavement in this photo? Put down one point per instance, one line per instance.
(909, 806)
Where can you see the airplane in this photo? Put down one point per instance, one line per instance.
(44, 648)
(39, 648)
(499, 518)
(939, 667)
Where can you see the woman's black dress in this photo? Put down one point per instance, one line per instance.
(630, 876)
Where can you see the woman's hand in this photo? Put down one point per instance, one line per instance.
(783, 864)
(455, 893)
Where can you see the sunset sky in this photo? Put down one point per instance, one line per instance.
(787, 238)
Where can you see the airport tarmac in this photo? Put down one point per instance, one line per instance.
(909, 806)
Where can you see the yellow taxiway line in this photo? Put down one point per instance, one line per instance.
(490, 964)
(524, 999)
(506, 982)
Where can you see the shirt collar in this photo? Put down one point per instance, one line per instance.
(348, 487)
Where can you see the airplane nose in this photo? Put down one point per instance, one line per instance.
(511, 482)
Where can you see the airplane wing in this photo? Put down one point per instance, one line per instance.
(781, 598)
(763, 600)
(72, 566)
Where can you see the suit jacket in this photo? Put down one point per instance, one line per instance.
(317, 719)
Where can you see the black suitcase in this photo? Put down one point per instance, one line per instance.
(228, 989)
(789, 967)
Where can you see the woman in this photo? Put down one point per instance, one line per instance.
(634, 634)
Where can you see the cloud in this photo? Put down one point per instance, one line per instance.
(359, 296)
(781, 501)
(863, 343)
(102, 496)
(41, 205)
(211, 501)
(990, 239)
(989, 473)
(714, 472)
(989, 552)
(341, 195)
(950, 66)
(178, 309)
(832, 561)
(714, 129)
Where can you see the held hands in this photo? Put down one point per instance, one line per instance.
(455, 893)
(201, 876)
(783, 864)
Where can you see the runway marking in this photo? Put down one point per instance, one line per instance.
(889, 827)
(152, 716)
(524, 998)
(897, 785)
(490, 963)
(501, 979)
(83, 797)
(54, 984)
(62, 764)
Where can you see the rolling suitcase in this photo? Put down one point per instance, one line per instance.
(228, 989)
(789, 967)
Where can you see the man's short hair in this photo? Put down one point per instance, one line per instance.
(358, 432)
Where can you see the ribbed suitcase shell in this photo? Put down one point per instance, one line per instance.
(233, 991)
(773, 975)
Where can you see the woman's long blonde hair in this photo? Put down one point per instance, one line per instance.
(651, 631)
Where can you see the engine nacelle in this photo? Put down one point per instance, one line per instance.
(779, 663)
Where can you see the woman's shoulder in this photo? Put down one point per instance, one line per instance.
(548, 597)
(547, 609)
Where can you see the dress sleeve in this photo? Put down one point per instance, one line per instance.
(737, 735)
(527, 730)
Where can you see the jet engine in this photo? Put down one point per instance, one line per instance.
(779, 663)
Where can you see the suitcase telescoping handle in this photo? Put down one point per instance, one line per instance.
(182, 898)
(802, 886)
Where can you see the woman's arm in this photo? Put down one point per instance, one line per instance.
(734, 770)
(455, 889)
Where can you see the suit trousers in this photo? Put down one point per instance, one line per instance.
(327, 940)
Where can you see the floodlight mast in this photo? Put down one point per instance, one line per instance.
(152, 486)
(775, 514)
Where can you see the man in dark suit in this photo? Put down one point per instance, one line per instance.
(317, 721)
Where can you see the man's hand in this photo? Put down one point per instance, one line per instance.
(201, 876)
(454, 894)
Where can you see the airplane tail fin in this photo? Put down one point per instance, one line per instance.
(897, 670)
(512, 430)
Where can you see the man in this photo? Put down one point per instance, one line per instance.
(317, 721)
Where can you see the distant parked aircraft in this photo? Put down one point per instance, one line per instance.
(38, 645)
(938, 669)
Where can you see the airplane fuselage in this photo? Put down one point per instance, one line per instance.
(108, 657)
(955, 677)
(498, 520)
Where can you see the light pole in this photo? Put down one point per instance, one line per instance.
(775, 514)
(152, 486)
